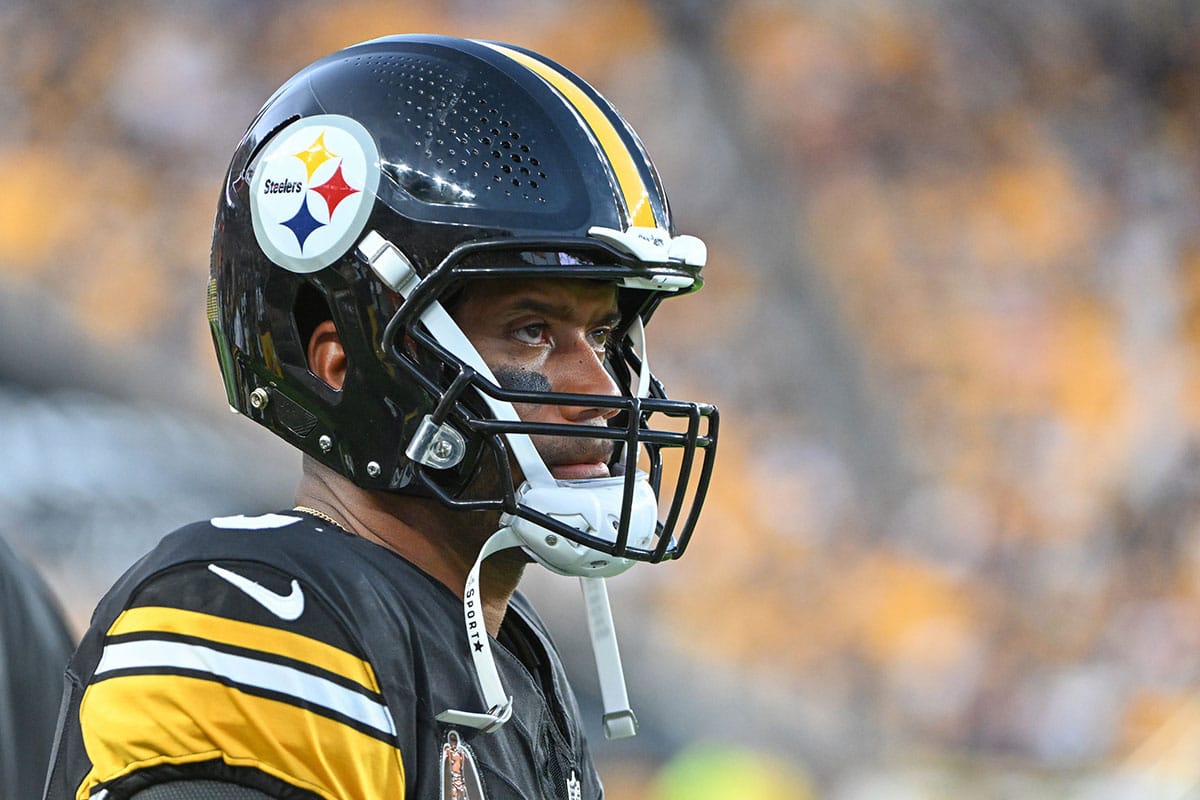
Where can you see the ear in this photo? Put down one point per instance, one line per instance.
(326, 356)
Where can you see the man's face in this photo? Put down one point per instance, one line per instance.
(548, 335)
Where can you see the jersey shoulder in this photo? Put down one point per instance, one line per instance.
(226, 621)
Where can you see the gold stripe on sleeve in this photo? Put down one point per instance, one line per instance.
(136, 722)
(221, 630)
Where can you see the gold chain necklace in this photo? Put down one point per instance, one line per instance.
(319, 515)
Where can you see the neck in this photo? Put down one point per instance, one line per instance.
(442, 543)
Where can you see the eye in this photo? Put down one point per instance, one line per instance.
(534, 333)
(600, 337)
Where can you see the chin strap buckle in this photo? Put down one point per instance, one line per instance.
(620, 724)
(388, 263)
(487, 722)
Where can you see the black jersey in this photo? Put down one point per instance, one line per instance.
(35, 644)
(284, 654)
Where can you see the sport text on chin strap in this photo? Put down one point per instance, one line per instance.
(394, 269)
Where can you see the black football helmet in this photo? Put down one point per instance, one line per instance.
(367, 190)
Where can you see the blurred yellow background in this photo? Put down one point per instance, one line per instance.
(952, 321)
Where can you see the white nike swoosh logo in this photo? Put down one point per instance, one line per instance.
(285, 606)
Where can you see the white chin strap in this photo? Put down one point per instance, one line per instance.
(600, 499)
(619, 720)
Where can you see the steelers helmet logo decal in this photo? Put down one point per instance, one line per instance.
(312, 191)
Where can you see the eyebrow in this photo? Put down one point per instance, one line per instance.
(529, 305)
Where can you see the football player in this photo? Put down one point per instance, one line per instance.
(432, 262)
(35, 643)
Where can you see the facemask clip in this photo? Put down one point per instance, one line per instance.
(437, 446)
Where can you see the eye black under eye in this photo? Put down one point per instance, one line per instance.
(522, 380)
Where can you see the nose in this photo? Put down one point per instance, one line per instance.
(583, 372)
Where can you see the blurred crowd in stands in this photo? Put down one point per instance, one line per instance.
(952, 321)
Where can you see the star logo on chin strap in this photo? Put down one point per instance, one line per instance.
(478, 646)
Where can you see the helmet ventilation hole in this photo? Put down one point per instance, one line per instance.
(459, 134)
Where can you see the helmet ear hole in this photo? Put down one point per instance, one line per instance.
(314, 323)
(309, 311)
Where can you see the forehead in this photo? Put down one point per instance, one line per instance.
(579, 294)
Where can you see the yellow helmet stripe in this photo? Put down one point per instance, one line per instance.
(629, 179)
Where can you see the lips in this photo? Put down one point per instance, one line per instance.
(576, 459)
(574, 472)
